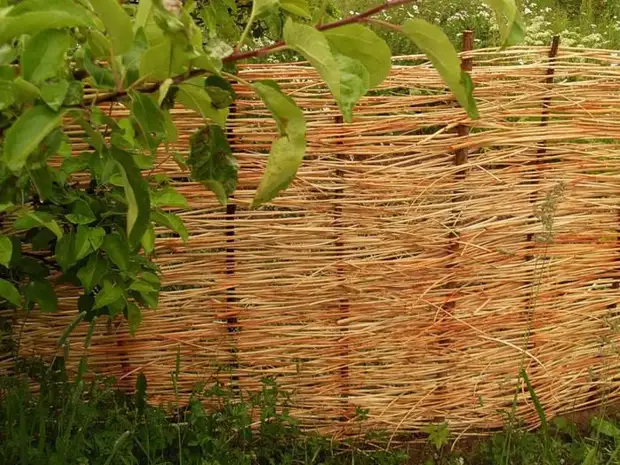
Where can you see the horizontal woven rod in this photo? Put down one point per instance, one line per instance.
(390, 175)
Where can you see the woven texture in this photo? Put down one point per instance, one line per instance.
(386, 277)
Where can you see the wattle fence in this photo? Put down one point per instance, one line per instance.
(419, 261)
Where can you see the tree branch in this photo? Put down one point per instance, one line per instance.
(238, 56)
(358, 18)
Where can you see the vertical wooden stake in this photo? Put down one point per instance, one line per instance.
(461, 158)
(232, 321)
(467, 64)
(544, 122)
(343, 304)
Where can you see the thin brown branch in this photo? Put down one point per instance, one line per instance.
(358, 18)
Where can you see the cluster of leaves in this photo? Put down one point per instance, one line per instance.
(87, 219)
(78, 422)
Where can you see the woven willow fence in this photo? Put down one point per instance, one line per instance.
(388, 277)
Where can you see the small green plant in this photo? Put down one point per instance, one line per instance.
(78, 422)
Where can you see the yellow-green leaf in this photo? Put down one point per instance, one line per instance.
(362, 44)
(9, 292)
(44, 55)
(313, 45)
(511, 26)
(297, 7)
(435, 44)
(116, 22)
(284, 159)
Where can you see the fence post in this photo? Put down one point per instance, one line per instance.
(467, 64)
(461, 157)
(232, 321)
(343, 302)
(544, 122)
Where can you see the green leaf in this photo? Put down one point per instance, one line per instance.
(54, 93)
(65, 251)
(7, 95)
(42, 293)
(75, 93)
(155, 62)
(605, 427)
(90, 275)
(116, 22)
(25, 135)
(108, 295)
(117, 250)
(136, 194)
(102, 77)
(172, 222)
(82, 242)
(511, 28)
(192, 94)
(6, 250)
(31, 220)
(297, 7)
(362, 44)
(435, 44)
(143, 13)
(313, 45)
(42, 179)
(288, 116)
(150, 119)
(35, 21)
(261, 6)
(98, 45)
(354, 83)
(9, 292)
(134, 317)
(25, 92)
(44, 55)
(285, 157)
(132, 59)
(168, 197)
(95, 237)
(212, 163)
(81, 213)
(287, 152)
(148, 239)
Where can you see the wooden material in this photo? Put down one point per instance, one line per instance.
(292, 272)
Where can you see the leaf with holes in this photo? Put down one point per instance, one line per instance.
(192, 95)
(212, 163)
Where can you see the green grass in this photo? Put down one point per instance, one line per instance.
(78, 422)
